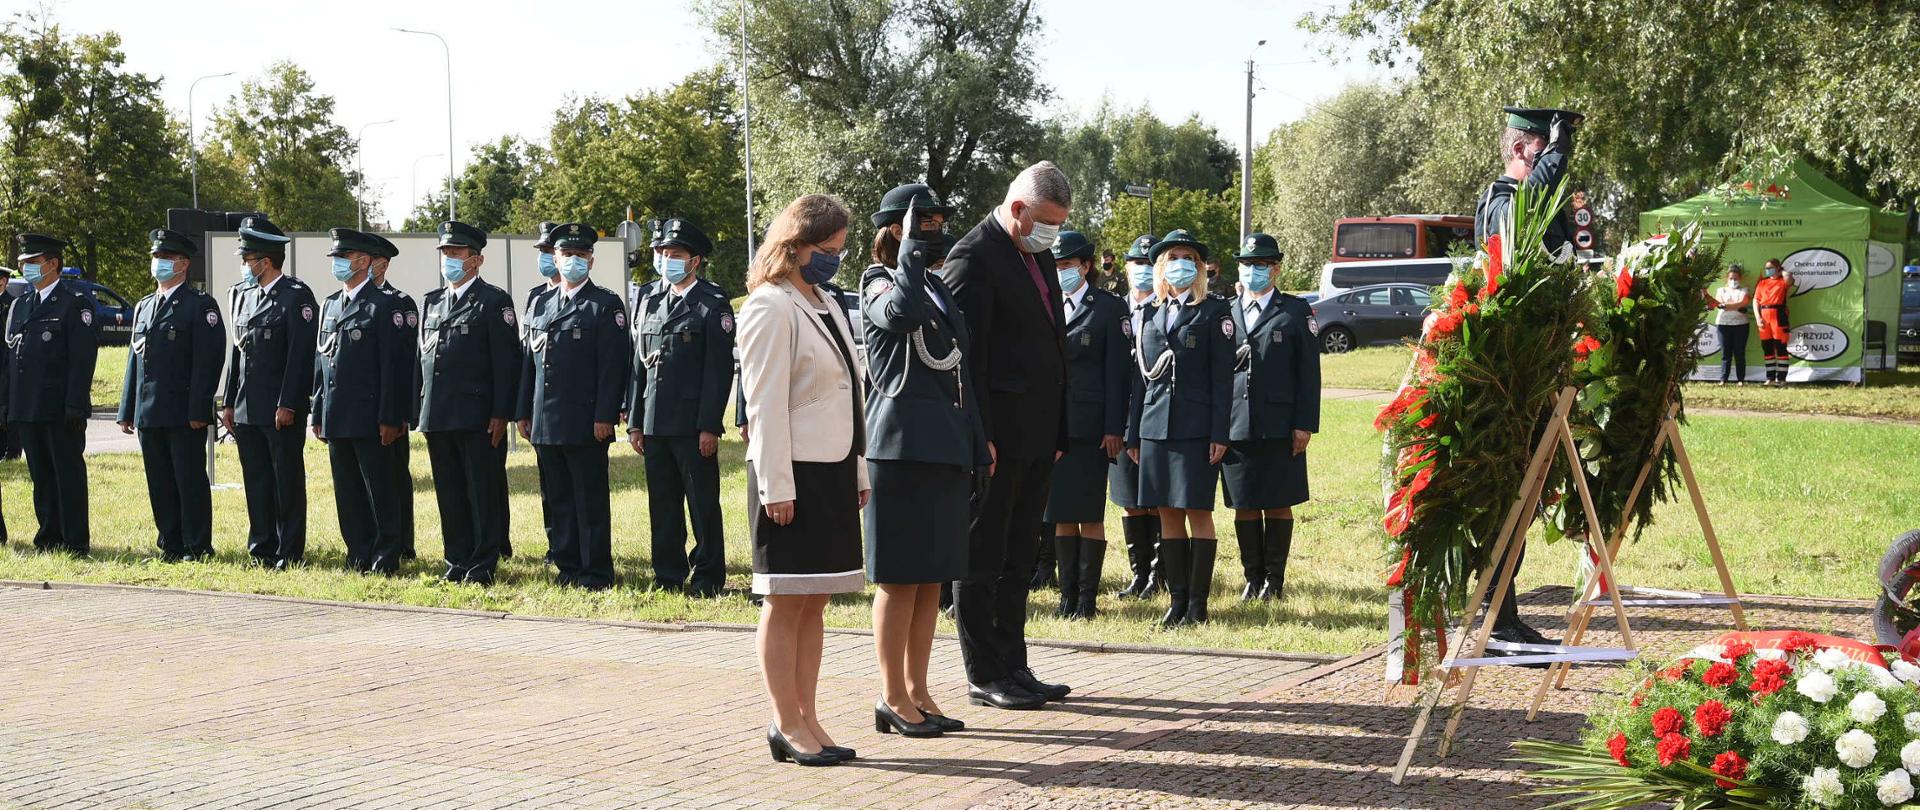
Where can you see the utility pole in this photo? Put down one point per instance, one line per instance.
(448, 51)
(193, 147)
(360, 168)
(1246, 156)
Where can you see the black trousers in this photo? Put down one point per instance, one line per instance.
(990, 605)
(573, 486)
(366, 495)
(468, 475)
(1733, 351)
(678, 476)
(403, 467)
(274, 466)
(176, 463)
(56, 460)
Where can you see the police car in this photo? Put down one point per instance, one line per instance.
(112, 314)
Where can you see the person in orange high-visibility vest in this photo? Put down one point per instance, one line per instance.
(1770, 306)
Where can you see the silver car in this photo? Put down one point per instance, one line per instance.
(1371, 315)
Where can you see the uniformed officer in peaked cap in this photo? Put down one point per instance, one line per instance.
(1276, 411)
(572, 387)
(1139, 525)
(402, 449)
(269, 391)
(682, 368)
(51, 348)
(470, 371)
(535, 299)
(174, 358)
(362, 399)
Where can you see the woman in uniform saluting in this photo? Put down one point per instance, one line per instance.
(1099, 377)
(1180, 422)
(925, 444)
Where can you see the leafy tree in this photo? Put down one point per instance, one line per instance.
(275, 148)
(1212, 217)
(1109, 150)
(498, 178)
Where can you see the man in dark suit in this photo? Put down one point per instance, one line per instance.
(51, 348)
(173, 366)
(470, 367)
(1002, 273)
(269, 389)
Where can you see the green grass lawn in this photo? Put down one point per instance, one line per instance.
(1886, 394)
(1804, 508)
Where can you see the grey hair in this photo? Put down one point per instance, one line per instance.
(1512, 138)
(1042, 182)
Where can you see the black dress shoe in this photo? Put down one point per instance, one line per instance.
(1051, 691)
(284, 564)
(1003, 694)
(481, 578)
(844, 753)
(944, 722)
(358, 564)
(171, 556)
(885, 719)
(783, 751)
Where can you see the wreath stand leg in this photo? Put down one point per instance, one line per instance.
(1468, 655)
(1581, 617)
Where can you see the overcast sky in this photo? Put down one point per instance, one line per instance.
(514, 62)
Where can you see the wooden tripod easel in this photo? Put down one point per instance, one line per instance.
(1468, 654)
(1580, 615)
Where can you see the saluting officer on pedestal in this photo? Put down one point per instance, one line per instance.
(403, 448)
(572, 387)
(269, 390)
(470, 372)
(1276, 411)
(174, 359)
(51, 348)
(362, 398)
(682, 367)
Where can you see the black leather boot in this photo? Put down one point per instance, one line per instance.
(1043, 575)
(1138, 530)
(1093, 557)
(1173, 561)
(1067, 552)
(1252, 560)
(1277, 544)
(1200, 577)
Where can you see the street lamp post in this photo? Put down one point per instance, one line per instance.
(360, 169)
(193, 148)
(1246, 156)
(413, 193)
(448, 50)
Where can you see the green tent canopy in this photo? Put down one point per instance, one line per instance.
(1844, 255)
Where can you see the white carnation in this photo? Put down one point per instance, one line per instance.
(1894, 788)
(1856, 749)
(1790, 728)
(1823, 786)
(1770, 654)
(1831, 659)
(1817, 686)
(1882, 679)
(1910, 755)
(1906, 672)
(1866, 707)
(1913, 723)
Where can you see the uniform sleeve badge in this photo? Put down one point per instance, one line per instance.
(507, 314)
(306, 313)
(213, 317)
(726, 322)
(620, 319)
(879, 287)
(413, 319)
(1226, 327)
(399, 319)
(1313, 325)
(86, 316)
(1126, 327)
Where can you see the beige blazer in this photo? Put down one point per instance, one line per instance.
(801, 404)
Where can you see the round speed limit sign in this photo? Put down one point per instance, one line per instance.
(1583, 217)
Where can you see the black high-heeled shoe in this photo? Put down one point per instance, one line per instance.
(943, 722)
(783, 750)
(885, 719)
(844, 753)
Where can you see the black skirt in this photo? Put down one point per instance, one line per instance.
(917, 521)
(1123, 483)
(1078, 478)
(819, 552)
(1175, 473)
(1263, 474)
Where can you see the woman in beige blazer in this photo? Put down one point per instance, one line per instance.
(806, 461)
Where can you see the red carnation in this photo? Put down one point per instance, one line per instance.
(1798, 640)
(1457, 299)
(1737, 650)
(1720, 675)
(1769, 676)
(1668, 720)
(1730, 765)
(1623, 284)
(1672, 748)
(1444, 325)
(1639, 698)
(1711, 718)
(1585, 346)
(1617, 746)
(1678, 670)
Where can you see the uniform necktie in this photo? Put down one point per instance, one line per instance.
(1253, 311)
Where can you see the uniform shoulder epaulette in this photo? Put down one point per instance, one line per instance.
(434, 294)
(294, 284)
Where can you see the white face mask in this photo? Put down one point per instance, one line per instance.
(1041, 237)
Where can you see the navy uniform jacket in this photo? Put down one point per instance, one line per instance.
(469, 358)
(575, 373)
(914, 412)
(683, 360)
(1190, 393)
(173, 360)
(1098, 354)
(412, 312)
(273, 351)
(50, 354)
(1276, 386)
(1548, 172)
(362, 376)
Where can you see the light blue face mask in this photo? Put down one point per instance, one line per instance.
(1181, 273)
(162, 270)
(453, 269)
(1140, 274)
(547, 268)
(1257, 277)
(1070, 279)
(342, 268)
(31, 272)
(672, 269)
(574, 268)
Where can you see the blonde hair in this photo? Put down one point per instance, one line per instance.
(807, 221)
(1161, 289)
